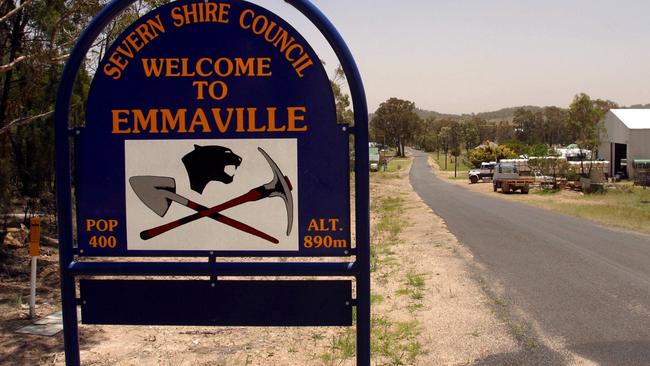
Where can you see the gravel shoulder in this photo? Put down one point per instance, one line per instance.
(459, 322)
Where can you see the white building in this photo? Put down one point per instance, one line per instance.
(627, 136)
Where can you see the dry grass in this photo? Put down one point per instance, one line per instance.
(621, 205)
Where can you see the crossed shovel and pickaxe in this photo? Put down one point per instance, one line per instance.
(158, 193)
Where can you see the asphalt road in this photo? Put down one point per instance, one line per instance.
(581, 282)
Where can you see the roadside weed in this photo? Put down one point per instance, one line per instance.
(389, 217)
(395, 343)
(413, 286)
(376, 299)
(341, 348)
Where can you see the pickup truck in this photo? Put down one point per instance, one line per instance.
(506, 177)
(486, 171)
(373, 158)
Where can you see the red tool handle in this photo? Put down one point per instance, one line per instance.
(243, 227)
(252, 195)
(233, 223)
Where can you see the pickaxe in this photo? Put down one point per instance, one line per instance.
(279, 186)
(158, 193)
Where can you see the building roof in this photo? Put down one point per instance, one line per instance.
(634, 119)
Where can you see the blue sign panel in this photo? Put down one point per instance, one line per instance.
(222, 303)
(211, 129)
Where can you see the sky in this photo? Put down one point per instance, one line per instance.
(470, 56)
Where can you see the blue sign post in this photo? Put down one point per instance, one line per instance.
(211, 132)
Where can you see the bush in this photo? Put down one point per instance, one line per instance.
(477, 156)
(488, 153)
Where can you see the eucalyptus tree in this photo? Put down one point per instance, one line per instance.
(396, 120)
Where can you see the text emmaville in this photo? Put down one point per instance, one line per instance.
(218, 120)
(207, 12)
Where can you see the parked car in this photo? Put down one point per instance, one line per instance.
(374, 158)
(484, 173)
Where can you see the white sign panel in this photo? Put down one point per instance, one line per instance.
(174, 189)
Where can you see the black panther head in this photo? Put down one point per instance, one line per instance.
(207, 163)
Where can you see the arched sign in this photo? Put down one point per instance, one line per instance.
(211, 127)
(210, 132)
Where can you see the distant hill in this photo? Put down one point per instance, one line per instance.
(503, 114)
(639, 106)
(506, 114)
(424, 114)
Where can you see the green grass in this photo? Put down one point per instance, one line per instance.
(398, 164)
(463, 165)
(394, 167)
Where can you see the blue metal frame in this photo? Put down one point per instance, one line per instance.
(70, 268)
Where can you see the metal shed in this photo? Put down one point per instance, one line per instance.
(626, 138)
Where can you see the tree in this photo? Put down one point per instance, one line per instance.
(428, 139)
(5, 192)
(529, 125)
(470, 134)
(397, 122)
(537, 150)
(344, 114)
(555, 131)
(504, 132)
(455, 138)
(35, 39)
(444, 136)
(585, 120)
(486, 130)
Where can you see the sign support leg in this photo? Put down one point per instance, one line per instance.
(363, 320)
(70, 327)
(32, 290)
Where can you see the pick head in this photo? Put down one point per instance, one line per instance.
(279, 187)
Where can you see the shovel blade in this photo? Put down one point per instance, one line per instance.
(154, 192)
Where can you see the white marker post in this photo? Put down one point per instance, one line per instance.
(34, 252)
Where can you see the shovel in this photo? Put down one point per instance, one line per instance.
(158, 193)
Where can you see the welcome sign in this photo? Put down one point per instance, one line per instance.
(211, 128)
